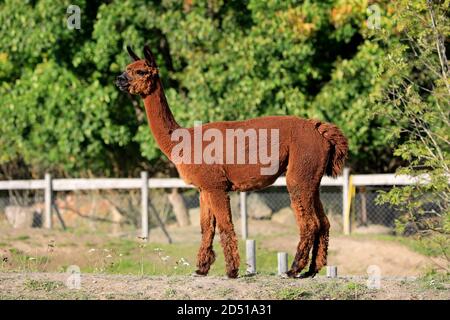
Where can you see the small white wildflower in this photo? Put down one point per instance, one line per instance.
(183, 262)
(120, 254)
(165, 258)
(109, 256)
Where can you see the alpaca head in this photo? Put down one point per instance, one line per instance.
(141, 75)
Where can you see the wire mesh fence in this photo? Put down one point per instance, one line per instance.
(22, 208)
(367, 212)
(119, 211)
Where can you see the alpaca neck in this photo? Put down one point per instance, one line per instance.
(160, 118)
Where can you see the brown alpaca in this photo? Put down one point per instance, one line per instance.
(307, 149)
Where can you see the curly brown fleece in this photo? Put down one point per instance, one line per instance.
(308, 149)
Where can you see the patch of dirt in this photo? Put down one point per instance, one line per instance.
(97, 286)
(353, 256)
(372, 229)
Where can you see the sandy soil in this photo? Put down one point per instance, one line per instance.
(399, 268)
(352, 255)
(98, 286)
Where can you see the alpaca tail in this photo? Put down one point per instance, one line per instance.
(338, 147)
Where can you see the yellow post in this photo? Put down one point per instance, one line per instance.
(350, 196)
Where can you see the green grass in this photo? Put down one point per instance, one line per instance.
(138, 258)
(129, 256)
(224, 292)
(44, 285)
(330, 290)
(21, 238)
(170, 293)
(293, 294)
(22, 261)
(435, 280)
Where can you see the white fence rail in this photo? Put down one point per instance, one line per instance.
(135, 183)
(49, 185)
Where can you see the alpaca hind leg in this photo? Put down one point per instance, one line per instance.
(304, 172)
(312, 266)
(320, 246)
(206, 255)
(319, 259)
(309, 227)
(220, 206)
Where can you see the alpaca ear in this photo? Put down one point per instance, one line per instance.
(132, 54)
(149, 57)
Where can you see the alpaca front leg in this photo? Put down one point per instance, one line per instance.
(206, 255)
(220, 205)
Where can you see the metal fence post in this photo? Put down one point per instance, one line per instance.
(48, 200)
(144, 205)
(251, 256)
(243, 207)
(345, 203)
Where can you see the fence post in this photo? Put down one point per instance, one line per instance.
(243, 207)
(332, 272)
(144, 205)
(282, 263)
(345, 203)
(250, 256)
(48, 195)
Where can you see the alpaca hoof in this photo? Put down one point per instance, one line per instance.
(233, 274)
(308, 274)
(291, 274)
(199, 273)
(249, 274)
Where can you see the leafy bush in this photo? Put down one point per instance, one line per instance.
(416, 102)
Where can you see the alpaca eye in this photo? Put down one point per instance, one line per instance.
(141, 72)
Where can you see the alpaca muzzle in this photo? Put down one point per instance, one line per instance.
(122, 82)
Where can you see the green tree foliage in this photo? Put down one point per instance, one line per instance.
(57, 114)
(220, 60)
(416, 101)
